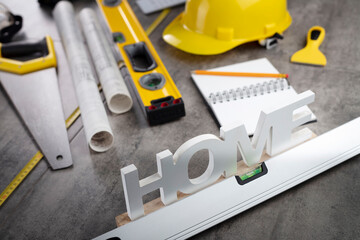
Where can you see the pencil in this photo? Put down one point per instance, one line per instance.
(241, 74)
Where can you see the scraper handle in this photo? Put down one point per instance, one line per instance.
(25, 57)
(316, 36)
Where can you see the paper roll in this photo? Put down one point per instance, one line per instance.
(116, 93)
(96, 124)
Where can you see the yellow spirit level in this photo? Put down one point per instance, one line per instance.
(156, 92)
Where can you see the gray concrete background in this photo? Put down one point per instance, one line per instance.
(81, 202)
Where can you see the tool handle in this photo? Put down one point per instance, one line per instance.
(8, 32)
(25, 50)
(25, 57)
(316, 36)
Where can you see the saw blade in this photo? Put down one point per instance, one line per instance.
(37, 99)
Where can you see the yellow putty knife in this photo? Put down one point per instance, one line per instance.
(311, 54)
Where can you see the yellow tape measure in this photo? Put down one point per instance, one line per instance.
(20, 177)
(69, 121)
(32, 163)
(157, 21)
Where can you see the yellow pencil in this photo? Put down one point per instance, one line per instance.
(241, 74)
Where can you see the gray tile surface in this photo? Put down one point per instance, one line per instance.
(81, 202)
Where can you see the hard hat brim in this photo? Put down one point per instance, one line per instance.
(178, 36)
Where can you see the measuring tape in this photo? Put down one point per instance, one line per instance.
(32, 163)
(20, 177)
(157, 21)
(69, 121)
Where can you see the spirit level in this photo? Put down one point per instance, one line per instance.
(227, 198)
(156, 92)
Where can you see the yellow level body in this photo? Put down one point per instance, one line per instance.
(143, 63)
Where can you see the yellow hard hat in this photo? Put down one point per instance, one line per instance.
(208, 27)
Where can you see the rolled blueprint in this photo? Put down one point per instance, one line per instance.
(116, 93)
(96, 124)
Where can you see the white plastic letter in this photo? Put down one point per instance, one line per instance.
(135, 189)
(274, 129)
(222, 160)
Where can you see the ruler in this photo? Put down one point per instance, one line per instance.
(69, 121)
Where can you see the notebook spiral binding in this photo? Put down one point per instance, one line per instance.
(266, 87)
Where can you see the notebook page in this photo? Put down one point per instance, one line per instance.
(208, 84)
(246, 110)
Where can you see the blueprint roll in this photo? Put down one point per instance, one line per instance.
(116, 93)
(96, 124)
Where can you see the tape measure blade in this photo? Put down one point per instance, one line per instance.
(20, 177)
(34, 161)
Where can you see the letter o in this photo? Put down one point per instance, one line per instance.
(214, 170)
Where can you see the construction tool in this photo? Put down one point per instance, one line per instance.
(157, 94)
(157, 21)
(69, 121)
(231, 196)
(10, 24)
(27, 73)
(35, 160)
(311, 53)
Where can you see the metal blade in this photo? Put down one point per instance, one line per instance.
(37, 99)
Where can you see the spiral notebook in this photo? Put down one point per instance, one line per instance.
(241, 99)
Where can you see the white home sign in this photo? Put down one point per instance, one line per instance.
(274, 131)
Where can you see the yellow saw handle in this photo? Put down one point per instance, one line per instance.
(42, 55)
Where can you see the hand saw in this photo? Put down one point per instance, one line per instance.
(27, 73)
